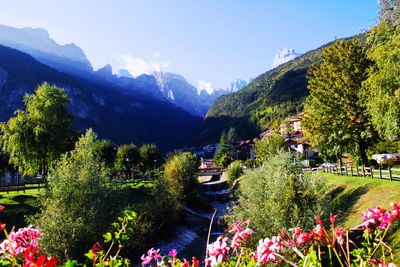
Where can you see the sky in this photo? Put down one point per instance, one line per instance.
(209, 42)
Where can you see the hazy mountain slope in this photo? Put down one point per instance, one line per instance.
(115, 112)
(37, 42)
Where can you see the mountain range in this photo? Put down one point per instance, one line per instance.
(118, 113)
(72, 60)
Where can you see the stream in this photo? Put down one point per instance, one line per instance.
(191, 237)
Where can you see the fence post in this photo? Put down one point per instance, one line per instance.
(363, 169)
(351, 169)
(347, 171)
(390, 173)
(371, 173)
(357, 170)
(340, 170)
(380, 172)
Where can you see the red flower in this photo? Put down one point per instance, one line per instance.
(332, 218)
(195, 262)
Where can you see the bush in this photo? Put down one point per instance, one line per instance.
(234, 171)
(180, 176)
(77, 206)
(269, 147)
(278, 196)
(390, 163)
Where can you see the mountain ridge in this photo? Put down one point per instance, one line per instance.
(114, 112)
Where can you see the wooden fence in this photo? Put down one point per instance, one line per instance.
(22, 187)
(370, 172)
(40, 184)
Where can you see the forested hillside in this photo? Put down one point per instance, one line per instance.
(272, 96)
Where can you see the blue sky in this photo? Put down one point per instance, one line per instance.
(209, 42)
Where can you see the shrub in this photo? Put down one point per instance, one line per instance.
(77, 206)
(234, 171)
(278, 196)
(180, 176)
(390, 163)
(269, 147)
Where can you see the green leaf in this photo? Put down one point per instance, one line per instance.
(107, 237)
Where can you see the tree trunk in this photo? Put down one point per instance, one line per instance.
(362, 147)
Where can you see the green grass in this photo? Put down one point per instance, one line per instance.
(18, 206)
(352, 195)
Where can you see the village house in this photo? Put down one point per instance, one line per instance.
(294, 139)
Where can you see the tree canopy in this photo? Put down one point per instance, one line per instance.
(149, 155)
(335, 117)
(384, 81)
(128, 157)
(36, 137)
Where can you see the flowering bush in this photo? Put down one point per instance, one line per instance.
(20, 247)
(321, 246)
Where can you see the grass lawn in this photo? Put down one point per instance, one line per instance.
(18, 206)
(353, 195)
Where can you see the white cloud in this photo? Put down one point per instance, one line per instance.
(156, 54)
(137, 66)
(203, 85)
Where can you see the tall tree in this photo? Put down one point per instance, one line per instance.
(222, 154)
(232, 142)
(107, 151)
(384, 81)
(335, 112)
(149, 155)
(127, 158)
(36, 137)
(389, 12)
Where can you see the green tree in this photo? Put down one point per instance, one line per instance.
(222, 153)
(107, 152)
(180, 173)
(149, 156)
(389, 12)
(77, 207)
(234, 171)
(335, 117)
(269, 147)
(232, 143)
(36, 137)
(384, 81)
(278, 196)
(127, 158)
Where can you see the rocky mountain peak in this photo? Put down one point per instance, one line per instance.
(284, 55)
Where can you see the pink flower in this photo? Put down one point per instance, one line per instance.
(380, 217)
(339, 235)
(172, 253)
(237, 227)
(218, 251)
(241, 236)
(152, 256)
(19, 241)
(299, 237)
(267, 248)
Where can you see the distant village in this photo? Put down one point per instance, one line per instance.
(294, 138)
